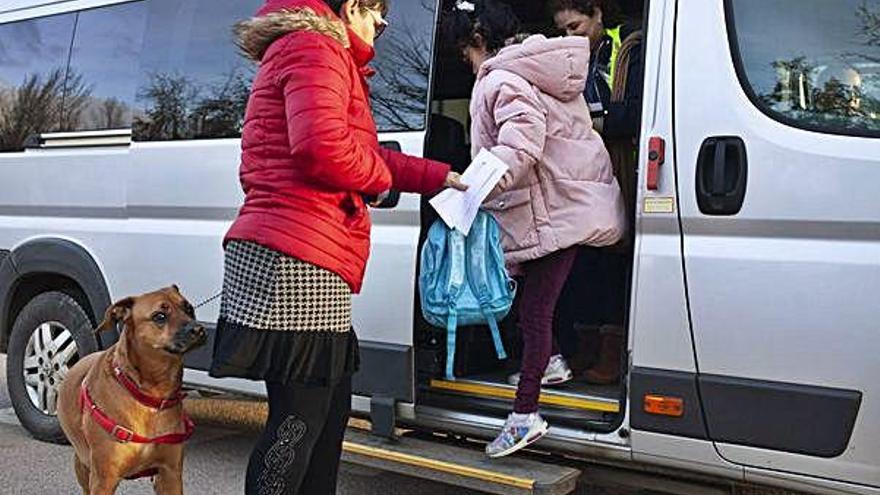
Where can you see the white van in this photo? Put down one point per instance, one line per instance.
(753, 344)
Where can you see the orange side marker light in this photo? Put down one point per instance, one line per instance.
(664, 406)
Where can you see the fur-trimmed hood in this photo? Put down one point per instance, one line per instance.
(255, 35)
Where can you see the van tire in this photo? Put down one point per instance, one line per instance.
(62, 313)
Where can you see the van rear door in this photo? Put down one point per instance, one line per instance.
(777, 115)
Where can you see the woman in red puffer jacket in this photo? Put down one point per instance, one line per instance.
(299, 247)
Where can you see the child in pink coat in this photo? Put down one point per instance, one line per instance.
(528, 109)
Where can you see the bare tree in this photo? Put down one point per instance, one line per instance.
(111, 114)
(76, 97)
(168, 99)
(175, 108)
(221, 113)
(400, 88)
(869, 32)
(870, 19)
(31, 108)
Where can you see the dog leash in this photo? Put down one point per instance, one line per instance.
(209, 300)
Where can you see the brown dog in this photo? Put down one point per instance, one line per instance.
(121, 408)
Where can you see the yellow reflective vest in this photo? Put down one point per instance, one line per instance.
(616, 42)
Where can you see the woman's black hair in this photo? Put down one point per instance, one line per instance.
(491, 19)
(611, 9)
(380, 5)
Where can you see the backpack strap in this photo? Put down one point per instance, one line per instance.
(456, 245)
(496, 336)
(477, 258)
(451, 329)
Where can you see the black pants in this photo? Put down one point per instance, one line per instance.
(298, 452)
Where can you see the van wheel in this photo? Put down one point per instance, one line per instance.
(48, 337)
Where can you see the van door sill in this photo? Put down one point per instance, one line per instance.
(566, 397)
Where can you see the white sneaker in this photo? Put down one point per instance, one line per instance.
(519, 431)
(557, 373)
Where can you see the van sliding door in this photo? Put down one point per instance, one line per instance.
(383, 313)
(777, 115)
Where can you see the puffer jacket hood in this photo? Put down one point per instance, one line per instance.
(280, 17)
(539, 61)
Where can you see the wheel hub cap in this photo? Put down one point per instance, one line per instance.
(50, 352)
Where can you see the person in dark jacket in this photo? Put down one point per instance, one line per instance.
(614, 94)
(298, 249)
(590, 18)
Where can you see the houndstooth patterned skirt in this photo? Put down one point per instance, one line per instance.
(265, 289)
(282, 319)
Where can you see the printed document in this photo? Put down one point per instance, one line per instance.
(459, 209)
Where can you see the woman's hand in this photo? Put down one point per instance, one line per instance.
(453, 180)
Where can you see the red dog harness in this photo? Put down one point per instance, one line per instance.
(125, 435)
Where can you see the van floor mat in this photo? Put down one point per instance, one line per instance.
(460, 466)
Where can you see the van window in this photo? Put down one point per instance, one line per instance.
(399, 90)
(103, 68)
(193, 84)
(815, 65)
(33, 64)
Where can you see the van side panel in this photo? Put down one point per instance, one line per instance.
(782, 292)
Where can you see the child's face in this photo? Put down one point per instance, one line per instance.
(576, 23)
(475, 53)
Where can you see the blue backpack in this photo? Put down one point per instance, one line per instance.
(463, 281)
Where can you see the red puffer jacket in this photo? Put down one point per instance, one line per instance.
(309, 145)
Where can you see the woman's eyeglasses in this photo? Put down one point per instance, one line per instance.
(380, 22)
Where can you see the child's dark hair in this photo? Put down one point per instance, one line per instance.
(380, 5)
(491, 19)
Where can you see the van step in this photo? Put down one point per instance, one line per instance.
(549, 397)
(458, 466)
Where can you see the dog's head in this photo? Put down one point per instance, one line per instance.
(162, 320)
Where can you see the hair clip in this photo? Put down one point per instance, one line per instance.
(464, 6)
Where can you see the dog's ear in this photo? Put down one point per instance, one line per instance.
(119, 311)
(176, 288)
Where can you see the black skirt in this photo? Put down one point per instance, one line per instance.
(282, 320)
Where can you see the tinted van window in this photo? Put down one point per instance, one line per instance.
(103, 68)
(192, 84)
(814, 64)
(399, 89)
(33, 63)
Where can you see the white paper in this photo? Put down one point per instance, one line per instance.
(459, 209)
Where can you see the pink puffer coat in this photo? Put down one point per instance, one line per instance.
(528, 109)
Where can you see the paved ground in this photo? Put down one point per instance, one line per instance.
(215, 460)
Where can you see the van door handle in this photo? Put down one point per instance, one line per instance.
(391, 145)
(722, 170)
(393, 197)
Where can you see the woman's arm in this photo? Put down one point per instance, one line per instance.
(413, 174)
(522, 130)
(316, 94)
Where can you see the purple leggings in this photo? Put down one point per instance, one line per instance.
(540, 288)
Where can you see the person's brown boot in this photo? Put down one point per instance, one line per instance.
(587, 348)
(607, 370)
